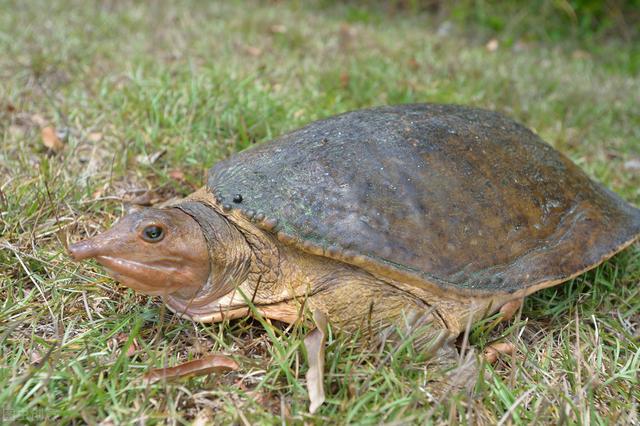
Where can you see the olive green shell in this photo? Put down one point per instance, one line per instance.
(461, 198)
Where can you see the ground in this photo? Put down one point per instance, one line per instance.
(104, 105)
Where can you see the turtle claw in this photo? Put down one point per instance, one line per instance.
(509, 309)
(493, 351)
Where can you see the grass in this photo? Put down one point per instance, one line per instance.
(197, 81)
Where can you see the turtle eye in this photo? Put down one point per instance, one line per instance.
(153, 233)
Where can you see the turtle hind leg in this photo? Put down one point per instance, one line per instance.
(452, 373)
(449, 370)
(397, 326)
(419, 338)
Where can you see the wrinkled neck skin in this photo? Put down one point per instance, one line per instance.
(250, 266)
(243, 265)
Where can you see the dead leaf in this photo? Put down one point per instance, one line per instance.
(278, 29)
(149, 159)
(493, 351)
(107, 422)
(347, 31)
(521, 46)
(265, 399)
(147, 198)
(94, 137)
(285, 411)
(38, 120)
(444, 30)
(204, 417)
(51, 140)
(133, 348)
(492, 45)
(239, 384)
(98, 192)
(632, 165)
(253, 51)
(314, 344)
(176, 175)
(198, 367)
(344, 79)
(35, 357)
(199, 347)
(16, 131)
(580, 54)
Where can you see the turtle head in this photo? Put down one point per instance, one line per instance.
(154, 251)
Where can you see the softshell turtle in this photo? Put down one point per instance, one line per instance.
(371, 217)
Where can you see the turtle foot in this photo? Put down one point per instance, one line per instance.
(453, 372)
(493, 351)
(509, 309)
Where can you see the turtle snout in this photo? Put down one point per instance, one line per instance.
(84, 250)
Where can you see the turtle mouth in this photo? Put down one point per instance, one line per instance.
(142, 277)
(134, 284)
